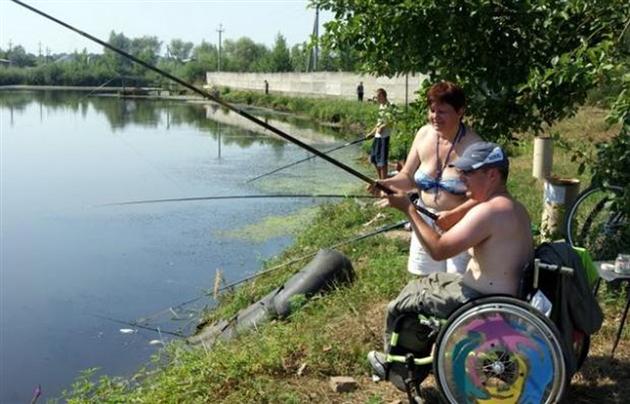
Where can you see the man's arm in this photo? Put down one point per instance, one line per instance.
(447, 219)
(468, 232)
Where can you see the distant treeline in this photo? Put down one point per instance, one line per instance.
(183, 59)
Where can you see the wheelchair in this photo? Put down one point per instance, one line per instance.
(494, 348)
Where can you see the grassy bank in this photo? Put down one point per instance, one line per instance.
(291, 361)
(351, 116)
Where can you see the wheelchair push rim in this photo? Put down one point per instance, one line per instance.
(499, 349)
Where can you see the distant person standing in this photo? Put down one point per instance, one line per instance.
(360, 91)
(266, 87)
(379, 154)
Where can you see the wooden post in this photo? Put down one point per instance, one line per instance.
(560, 193)
(543, 157)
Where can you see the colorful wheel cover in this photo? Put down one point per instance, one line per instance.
(500, 354)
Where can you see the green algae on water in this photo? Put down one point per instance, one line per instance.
(273, 226)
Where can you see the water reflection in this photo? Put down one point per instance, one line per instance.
(154, 113)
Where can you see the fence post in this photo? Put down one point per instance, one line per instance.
(543, 157)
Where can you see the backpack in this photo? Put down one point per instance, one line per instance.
(574, 304)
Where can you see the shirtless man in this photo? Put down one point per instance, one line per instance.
(497, 233)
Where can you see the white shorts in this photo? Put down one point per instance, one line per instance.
(421, 263)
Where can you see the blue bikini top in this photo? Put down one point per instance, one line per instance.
(454, 186)
(426, 182)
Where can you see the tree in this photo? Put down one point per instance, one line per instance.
(18, 57)
(147, 49)
(116, 62)
(299, 57)
(179, 50)
(204, 59)
(280, 57)
(243, 55)
(523, 64)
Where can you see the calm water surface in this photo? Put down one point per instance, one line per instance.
(66, 261)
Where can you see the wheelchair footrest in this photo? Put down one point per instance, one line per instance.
(427, 360)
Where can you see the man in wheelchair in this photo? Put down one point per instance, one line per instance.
(495, 356)
(480, 331)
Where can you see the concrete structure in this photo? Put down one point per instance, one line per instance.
(320, 84)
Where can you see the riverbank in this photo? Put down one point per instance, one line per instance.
(292, 361)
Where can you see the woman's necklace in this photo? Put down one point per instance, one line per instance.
(441, 166)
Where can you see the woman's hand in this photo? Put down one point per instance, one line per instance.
(388, 183)
(375, 190)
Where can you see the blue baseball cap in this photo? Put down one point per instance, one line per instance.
(481, 154)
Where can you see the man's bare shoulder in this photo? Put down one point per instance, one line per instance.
(497, 206)
(507, 211)
(479, 214)
(504, 202)
(508, 204)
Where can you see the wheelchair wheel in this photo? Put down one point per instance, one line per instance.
(499, 349)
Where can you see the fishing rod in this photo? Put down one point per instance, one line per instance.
(361, 139)
(222, 197)
(293, 261)
(225, 104)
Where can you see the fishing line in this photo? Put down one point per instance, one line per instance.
(362, 139)
(227, 105)
(171, 309)
(136, 325)
(97, 88)
(223, 197)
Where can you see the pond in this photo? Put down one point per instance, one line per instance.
(72, 264)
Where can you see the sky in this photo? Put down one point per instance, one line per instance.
(189, 20)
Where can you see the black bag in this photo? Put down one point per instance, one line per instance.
(574, 304)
